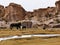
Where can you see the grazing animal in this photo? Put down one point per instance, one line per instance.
(26, 24)
(22, 25)
(45, 26)
(17, 25)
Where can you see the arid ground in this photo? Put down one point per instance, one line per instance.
(30, 41)
(13, 32)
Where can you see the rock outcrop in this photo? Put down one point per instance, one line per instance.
(29, 15)
(1, 11)
(57, 5)
(14, 12)
(44, 14)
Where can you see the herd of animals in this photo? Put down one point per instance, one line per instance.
(29, 24)
(20, 25)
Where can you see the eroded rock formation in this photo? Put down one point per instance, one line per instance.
(14, 12)
(1, 11)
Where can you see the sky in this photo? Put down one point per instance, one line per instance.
(30, 5)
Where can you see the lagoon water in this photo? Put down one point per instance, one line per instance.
(29, 36)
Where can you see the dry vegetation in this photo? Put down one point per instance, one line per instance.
(8, 32)
(32, 41)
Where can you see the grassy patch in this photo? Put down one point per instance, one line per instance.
(9, 32)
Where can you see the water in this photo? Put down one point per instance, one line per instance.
(29, 36)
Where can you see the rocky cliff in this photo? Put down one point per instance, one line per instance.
(1, 11)
(14, 12)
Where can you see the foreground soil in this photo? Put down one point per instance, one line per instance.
(32, 41)
(13, 32)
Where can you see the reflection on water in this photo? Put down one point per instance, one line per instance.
(29, 36)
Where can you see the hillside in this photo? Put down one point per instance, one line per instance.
(15, 12)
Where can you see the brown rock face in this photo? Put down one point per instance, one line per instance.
(1, 11)
(43, 14)
(40, 14)
(14, 12)
(29, 15)
(58, 5)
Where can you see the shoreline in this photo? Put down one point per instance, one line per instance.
(29, 36)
